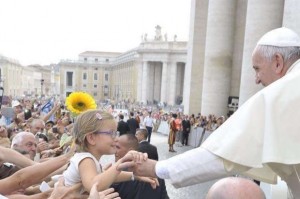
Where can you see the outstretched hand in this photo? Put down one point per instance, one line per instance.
(61, 191)
(106, 194)
(138, 163)
(152, 181)
(130, 160)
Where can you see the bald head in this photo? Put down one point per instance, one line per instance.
(235, 188)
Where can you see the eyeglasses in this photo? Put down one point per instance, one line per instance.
(113, 134)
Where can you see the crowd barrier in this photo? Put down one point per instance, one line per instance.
(196, 137)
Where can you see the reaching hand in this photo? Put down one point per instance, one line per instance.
(131, 159)
(152, 181)
(62, 192)
(106, 194)
(138, 163)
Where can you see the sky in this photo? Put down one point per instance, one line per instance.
(47, 31)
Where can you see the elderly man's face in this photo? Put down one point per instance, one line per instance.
(38, 127)
(28, 143)
(264, 70)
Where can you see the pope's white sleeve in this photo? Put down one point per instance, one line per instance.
(192, 167)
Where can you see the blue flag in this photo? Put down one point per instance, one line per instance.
(47, 108)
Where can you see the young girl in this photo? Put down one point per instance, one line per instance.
(95, 132)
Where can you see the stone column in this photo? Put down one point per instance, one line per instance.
(271, 11)
(291, 15)
(164, 83)
(172, 83)
(157, 81)
(218, 57)
(150, 87)
(193, 76)
(237, 61)
(145, 82)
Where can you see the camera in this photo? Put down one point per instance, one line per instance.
(27, 114)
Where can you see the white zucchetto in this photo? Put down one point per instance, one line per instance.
(281, 37)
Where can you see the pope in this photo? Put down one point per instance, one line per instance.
(268, 122)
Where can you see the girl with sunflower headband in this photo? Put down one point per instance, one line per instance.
(94, 133)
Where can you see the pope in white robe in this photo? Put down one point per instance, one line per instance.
(262, 138)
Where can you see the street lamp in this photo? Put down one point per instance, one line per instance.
(42, 83)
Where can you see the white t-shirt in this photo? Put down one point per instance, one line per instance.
(148, 121)
(71, 175)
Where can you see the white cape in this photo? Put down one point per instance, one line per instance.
(265, 129)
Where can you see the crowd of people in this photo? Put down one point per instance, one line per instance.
(52, 154)
(42, 137)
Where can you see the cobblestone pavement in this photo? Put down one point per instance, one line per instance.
(192, 192)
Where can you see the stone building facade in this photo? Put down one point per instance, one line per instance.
(151, 73)
(18, 80)
(223, 35)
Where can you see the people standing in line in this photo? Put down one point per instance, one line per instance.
(148, 122)
(263, 122)
(132, 123)
(186, 128)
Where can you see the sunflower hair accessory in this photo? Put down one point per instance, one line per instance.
(78, 102)
(99, 116)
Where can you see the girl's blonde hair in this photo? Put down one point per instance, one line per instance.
(88, 122)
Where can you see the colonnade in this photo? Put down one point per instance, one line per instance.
(223, 35)
(160, 81)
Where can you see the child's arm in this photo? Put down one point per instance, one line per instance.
(89, 175)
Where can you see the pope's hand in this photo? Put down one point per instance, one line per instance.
(139, 164)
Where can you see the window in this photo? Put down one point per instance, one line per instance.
(107, 60)
(106, 77)
(85, 59)
(95, 76)
(69, 79)
(95, 86)
(96, 59)
(84, 76)
(96, 68)
(95, 94)
(84, 85)
(68, 93)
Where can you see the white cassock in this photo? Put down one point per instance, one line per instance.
(261, 140)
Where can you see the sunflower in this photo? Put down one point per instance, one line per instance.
(79, 102)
